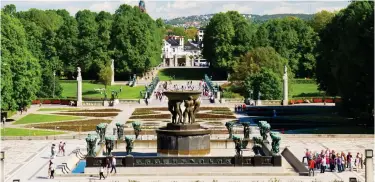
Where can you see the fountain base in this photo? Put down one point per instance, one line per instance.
(183, 140)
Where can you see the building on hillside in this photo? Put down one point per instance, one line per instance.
(142, 6)
(200, 35)
(177, 52)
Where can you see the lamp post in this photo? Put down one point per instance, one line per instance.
(2, 158)
(54, 75)
(369, 168)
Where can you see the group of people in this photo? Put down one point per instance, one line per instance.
(333, 161)
(61, 150)
(110, 164)
(240, 107)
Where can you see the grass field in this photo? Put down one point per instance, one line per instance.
(42, 118)
(189, 74)
(27, 132)
(88, 90)
(304, 90)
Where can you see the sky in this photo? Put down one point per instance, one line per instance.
(178, 8)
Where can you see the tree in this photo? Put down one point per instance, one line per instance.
(266, 82)
(242, 33)
(105, 76)
(293, 39)
(320, 20)
(10, 9)
(136, 41)
(50, 86)
(20, 70)
(218, 48)
(261, 57)
(179, 31)
(191, 33)
(345, 58)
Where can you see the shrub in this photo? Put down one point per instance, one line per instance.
(230, 94)
(103, 114)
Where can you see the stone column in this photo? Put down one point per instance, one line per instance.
(369, 167)
(113, 72)
(79, 87)
(285, 87)
(175, 61)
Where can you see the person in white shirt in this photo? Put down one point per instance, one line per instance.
(113, 164)
(324, 163)
(101, 172)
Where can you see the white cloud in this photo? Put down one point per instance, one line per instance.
(105, 6)
(329, 9)
(283, 10)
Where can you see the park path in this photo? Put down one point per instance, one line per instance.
(122, 117)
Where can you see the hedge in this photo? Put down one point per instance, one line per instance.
(304, 81)
(53, 101)
(315, 100)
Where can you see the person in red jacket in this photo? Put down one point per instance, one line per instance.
(311, 166)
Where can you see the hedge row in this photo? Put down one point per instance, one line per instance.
(53, 101)
(303, 81)
(315, 100)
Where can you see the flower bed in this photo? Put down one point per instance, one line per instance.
(166, 109)
(315, 100)
(52, 101)
(214, 116)
(97, 110)
(76, 126)
(221, 112)
(153, 116)
(75, 113)
(142, 112)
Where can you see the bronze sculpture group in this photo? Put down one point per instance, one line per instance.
(191, 108)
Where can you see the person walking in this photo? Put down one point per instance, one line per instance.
(53, 151)
(306, 156)
(49, 168)
(60, 148)
(101, 172)
(63, 148)
(52, 171)
(113, 164)
(311, 167)
(324, 163)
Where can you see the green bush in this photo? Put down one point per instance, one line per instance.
(230, 94)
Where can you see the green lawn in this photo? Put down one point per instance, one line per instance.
(88, 90)
(189, 74)
(42, 118)
(304, 90)
(58, 109)
(27, 132)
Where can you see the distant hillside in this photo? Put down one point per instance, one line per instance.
(202, 20)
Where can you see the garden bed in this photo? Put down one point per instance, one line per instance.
(97, 110)
(89, 114)
(77, 126)
(213, 116)
(153, 116)
(142, 112)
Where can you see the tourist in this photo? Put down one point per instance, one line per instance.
(53, 151)
(306, 156)
(349, 161)
(49, 168)
(357, 162)
(3, 120)
(311, 167)
(361, 160)
(60, 148)
(63, 148)
(113, 164)
(52, 171)
(339, 162)
(332, 164)
(343, 161)
(323, 167)
(101, 171)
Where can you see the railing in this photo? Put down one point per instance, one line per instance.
(209, 84)
(131, 161)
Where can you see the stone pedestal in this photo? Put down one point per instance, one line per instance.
(369, 167)
(183, 140)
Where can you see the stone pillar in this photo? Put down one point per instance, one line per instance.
(79, 87)
(369, 167)
(285, 87)
(113, 72)
(175, 61)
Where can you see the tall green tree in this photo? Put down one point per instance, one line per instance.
(242, 33)
(218, 47)
(105, 76)
(345, 63)
(293, 39)
(320, 20)
(266, 82)
(136, 41)
(20, 70)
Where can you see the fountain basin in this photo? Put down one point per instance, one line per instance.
(182, 95)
